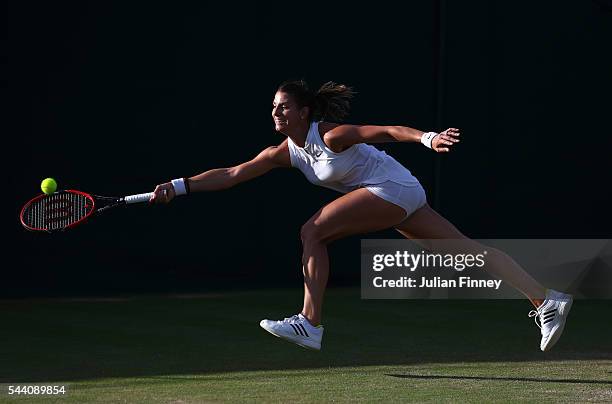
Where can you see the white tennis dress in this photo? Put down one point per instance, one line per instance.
(359, 166)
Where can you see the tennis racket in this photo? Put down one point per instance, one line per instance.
(66, 209)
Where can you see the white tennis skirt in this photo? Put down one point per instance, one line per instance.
(410, 198)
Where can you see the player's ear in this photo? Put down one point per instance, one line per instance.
(304, 113)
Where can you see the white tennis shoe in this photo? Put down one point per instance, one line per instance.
(551, 316)
(296, 329)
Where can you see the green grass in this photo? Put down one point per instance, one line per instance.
(210, 348)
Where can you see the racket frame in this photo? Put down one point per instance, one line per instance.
(112, 202)
(93, 210)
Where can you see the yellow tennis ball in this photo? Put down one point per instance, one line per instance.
(48, 186)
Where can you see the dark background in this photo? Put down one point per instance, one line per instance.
(113, 98)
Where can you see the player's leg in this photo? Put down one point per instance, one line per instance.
(438, 234)
(357, 212)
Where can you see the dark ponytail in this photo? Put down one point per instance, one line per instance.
(331, 102)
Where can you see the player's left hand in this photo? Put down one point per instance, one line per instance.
(445, 140)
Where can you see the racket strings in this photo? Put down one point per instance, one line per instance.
(57, 211)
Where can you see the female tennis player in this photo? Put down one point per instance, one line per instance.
(378, 193)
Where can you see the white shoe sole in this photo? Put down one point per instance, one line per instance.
(563, 311)
(293, 341)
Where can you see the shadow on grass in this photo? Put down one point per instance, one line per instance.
(69, 340)
(512, 379)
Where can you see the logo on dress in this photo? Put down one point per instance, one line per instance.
(313, 150)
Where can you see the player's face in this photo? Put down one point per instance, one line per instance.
(286, 113)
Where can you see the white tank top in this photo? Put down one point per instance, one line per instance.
(355, 167)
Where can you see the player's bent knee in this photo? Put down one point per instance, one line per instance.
(312, 233)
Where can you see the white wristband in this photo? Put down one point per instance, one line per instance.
(428, 137)
(179, 186)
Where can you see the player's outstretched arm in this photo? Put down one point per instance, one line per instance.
(223, 178)
(344, 136)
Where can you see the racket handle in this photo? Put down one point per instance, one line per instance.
(139, 198)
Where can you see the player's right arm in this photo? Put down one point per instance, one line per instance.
(223, 178)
